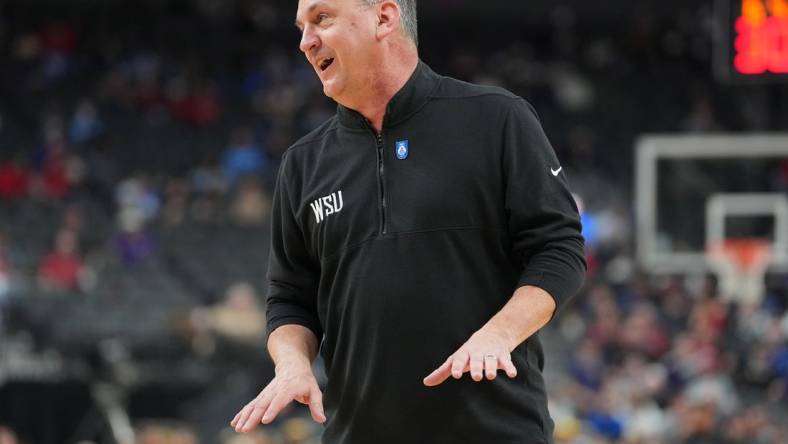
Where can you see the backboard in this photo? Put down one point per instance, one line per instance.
(693, 190)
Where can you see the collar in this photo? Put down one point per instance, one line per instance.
(409, 99)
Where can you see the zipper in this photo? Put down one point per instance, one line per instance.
(383, 227)
(382, 184)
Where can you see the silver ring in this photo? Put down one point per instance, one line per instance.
(490, 356)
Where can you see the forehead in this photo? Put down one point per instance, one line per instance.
(306, 7)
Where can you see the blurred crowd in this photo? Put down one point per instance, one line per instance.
(665, 360)
(138, 150)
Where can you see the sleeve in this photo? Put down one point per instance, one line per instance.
(293, 274)
(543, 219)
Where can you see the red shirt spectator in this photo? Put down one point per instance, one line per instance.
(60, 269)
(52, 179)
(199, 107)
(58, 38)
(13, 181)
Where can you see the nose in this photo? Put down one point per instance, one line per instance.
(309, 39)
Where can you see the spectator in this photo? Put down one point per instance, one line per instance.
(145, 72)
(57, 42)
(242, 156)
(14, 180)
(587, 365)
(5, 269)
(251, 205)
(73, 220)
(176, 197)
(642, 332)
(50, 160)
(133, 244)
(237, 317)
(85, 125)
(60, 270)
(198, 106)
(137, 194)
(208, 178)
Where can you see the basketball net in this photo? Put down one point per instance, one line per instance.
(740, 264)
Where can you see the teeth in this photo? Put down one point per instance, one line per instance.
(324, 63)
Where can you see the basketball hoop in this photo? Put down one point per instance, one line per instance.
(740, 264)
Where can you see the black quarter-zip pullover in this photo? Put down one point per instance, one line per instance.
(394, 248)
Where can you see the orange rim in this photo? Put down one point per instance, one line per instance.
(746, 253)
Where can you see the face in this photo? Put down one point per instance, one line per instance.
(338, 38)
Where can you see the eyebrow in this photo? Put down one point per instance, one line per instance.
(309, 11)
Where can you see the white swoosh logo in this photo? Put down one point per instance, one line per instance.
(555, 172)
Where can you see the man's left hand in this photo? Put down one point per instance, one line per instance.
(483, 354)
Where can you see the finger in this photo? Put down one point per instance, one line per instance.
(235, 419)
(244, 416)
(490, 366)
(458, 365)
(258, 408)
(440, 374)
(245, 411)
(505, 362)
(316, 405)
(279, 402)
(253, 420)
(476, 367)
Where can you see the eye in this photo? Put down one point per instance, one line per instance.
(320, 18)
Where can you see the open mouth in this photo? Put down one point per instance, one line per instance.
(325, 63)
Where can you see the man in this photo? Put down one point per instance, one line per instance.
(428, 224)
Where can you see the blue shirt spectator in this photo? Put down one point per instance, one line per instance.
(243, 156)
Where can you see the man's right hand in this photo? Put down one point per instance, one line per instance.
(293, 381)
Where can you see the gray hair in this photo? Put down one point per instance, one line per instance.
(407, 18)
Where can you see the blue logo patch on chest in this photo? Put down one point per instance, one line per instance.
(401, 148)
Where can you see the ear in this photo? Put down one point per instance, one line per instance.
(388, 18)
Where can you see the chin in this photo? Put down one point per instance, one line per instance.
(330, 90)
(327, 93)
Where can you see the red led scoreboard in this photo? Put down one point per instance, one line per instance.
(753, 40)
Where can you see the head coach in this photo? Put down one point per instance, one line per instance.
(420, 239)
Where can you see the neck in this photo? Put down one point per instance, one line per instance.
(391, 78)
